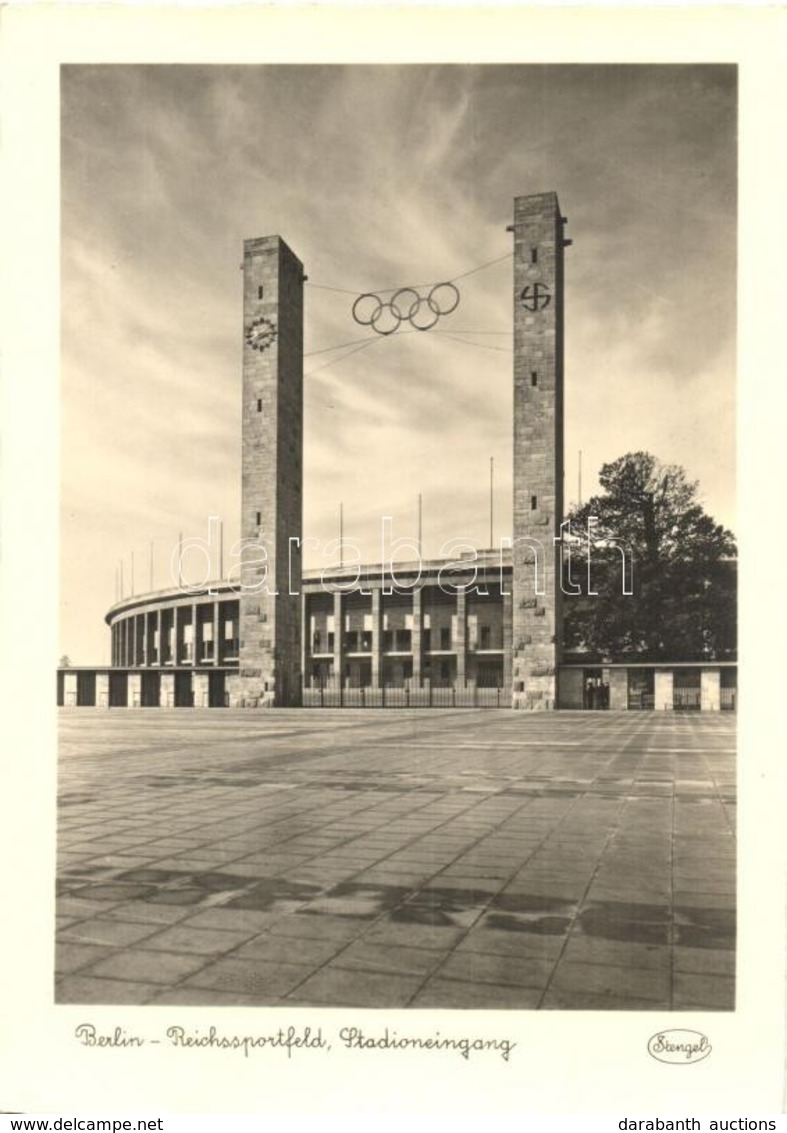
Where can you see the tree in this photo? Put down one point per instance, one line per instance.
(683, 605)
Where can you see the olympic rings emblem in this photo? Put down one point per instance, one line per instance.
(406, 305)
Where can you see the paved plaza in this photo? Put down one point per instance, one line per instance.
(450, 859)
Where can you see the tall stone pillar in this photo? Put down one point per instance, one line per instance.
(272, 461)
(160, 639)
(416, 638)
(216, 630)
(460, 644)
(338, 638)
(377, 636)
(538, 448)
(194, 638)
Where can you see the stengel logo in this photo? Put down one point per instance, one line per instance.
(679, 1046)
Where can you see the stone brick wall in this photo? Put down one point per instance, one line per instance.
(538, 449)
(272, 476)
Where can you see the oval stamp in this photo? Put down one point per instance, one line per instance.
(679, 1046)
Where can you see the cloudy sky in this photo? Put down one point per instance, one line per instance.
(379, 177)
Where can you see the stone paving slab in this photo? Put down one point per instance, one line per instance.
(456, 859)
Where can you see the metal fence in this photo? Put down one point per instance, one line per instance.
(331, 696)
(686, 699)
(641, 701)
(728, 701)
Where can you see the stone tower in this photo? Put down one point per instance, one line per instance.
(538, 449)
(272, 467)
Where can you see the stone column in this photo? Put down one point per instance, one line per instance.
(538, 263)
(216, 630)
(194, 635)
(662, 686)
(460, 645)
(338, 639)
(377, 636)
(710, 690)
(417, 636)
(201, 690)
(176, 627)
(160, 652)
(102, 690)
(272, 480)
(618, 690)
(167, 690)
(69, 690)
(134, 690)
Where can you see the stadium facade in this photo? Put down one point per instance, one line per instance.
(485, 632)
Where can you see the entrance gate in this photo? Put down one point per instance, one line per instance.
(217, 697)
(118, 690)
(686, 690)
(86, 690)
(333, 696)
(184, 697)
(150, 690)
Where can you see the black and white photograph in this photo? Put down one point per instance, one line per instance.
(394, 668)
(417, 687)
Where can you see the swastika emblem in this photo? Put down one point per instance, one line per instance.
(535, 297)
